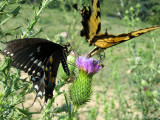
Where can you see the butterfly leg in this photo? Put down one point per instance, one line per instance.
(95, 51)
(101, 56)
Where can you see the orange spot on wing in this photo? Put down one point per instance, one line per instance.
(46, 68)
(50, 67)
(53, 79)
(51, 59)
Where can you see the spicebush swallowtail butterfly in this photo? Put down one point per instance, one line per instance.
(39, 58)
(92, 26)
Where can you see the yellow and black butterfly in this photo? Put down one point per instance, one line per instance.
(92, 25)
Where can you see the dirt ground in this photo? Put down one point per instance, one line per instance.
(59, 101)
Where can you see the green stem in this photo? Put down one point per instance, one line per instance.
(35, 19)
(4, 21)
(74, 110)
(68, 109)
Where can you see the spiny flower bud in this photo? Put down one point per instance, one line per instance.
(70, 60)
(80, 91)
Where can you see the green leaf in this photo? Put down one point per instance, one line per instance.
(5, 64)
(26, 112)
(15, 12)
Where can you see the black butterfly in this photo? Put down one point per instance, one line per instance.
(39, 58)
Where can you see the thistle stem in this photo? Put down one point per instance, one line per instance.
(35, 19)
(68, 108)
(74, 110)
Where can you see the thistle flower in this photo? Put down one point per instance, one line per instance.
(89, 65)
(80, 91)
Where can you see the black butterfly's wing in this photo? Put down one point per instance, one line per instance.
(64, 60)
(31, 55)
(51, 73)
(51, 70)
(44, 86)
(39, 86)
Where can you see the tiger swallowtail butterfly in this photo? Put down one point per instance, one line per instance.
(92, 26)
(39, 58)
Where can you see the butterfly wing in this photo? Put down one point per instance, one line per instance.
(91, 20)
(106, 41)
(51, 73)
(64, 60)
(103, 41)
(51, 70)
(44, 86)
(32, 55)
(39, 86)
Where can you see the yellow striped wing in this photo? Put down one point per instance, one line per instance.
(105, 41)
(91, 20)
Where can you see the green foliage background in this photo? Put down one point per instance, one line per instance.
(149, 11)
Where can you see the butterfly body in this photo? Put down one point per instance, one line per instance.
(39, 58)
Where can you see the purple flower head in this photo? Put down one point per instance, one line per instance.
(89, 65)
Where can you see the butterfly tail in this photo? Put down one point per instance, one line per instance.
(39, 85)
(133, 34)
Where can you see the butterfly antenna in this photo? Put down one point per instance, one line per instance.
(95, 51)
(102, 57)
